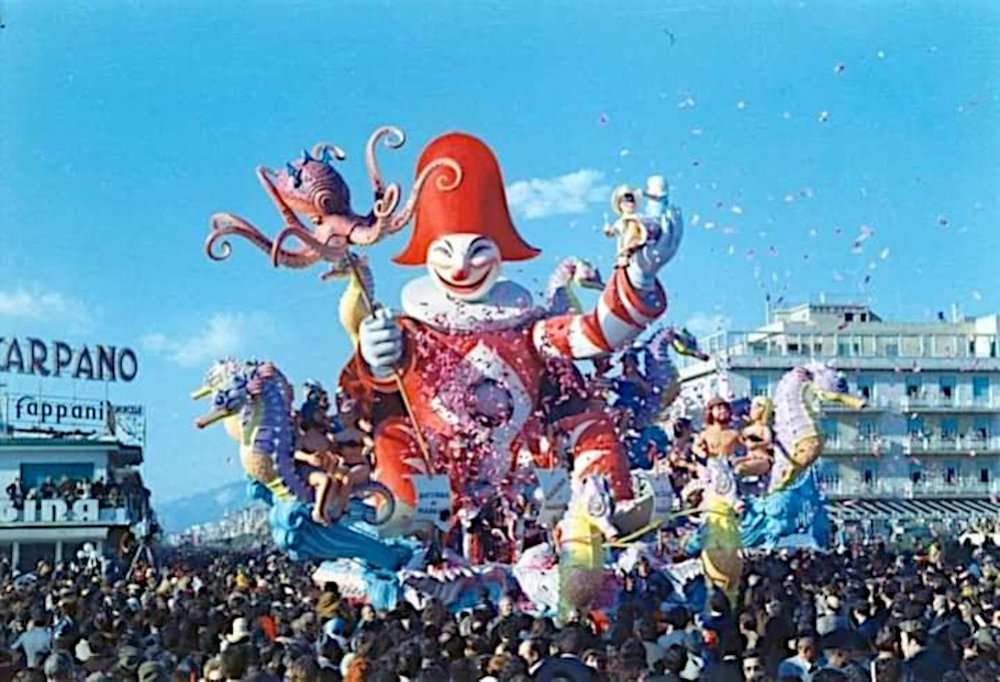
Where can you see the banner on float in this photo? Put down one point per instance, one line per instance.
(433, 499)
(556, 492)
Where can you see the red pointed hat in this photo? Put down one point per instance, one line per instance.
(478, 205)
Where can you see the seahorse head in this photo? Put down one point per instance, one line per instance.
(226, 384)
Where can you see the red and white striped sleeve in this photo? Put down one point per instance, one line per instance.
(620, 316)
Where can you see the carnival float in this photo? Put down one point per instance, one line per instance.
(464, 450)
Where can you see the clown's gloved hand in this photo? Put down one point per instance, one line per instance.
(665, 239)
(381, 342)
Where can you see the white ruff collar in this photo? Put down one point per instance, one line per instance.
(506, 305)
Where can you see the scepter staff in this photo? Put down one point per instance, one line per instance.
(397, 377)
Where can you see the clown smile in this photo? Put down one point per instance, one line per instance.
(465, 288)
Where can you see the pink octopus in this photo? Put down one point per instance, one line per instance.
(311, 186)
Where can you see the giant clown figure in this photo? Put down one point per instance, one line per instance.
(472, 353)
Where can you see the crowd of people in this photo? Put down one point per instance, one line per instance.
(108, 493)
(861, 613)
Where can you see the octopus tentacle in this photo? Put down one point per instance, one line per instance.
(394, 139)
(335, 151)
(333, 252)
(225, 224)
(443, 183)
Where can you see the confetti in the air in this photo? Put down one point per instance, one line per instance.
(709, 225)
(880, 54)
(624, 152)
(604, 119)
(976, 295)
(697, 131)
(942, 221)
(839, 67)
(824, 116)
(742, 104)
(884, 254)
(737, 209)
(789, 198)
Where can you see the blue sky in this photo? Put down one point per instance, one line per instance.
(784, 127)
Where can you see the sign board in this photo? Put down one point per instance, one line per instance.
(84, 510)
(59, 359)
(40, 414)
(556, 492)
(433, 498)
(663, 497)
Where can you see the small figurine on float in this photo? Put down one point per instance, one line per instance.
(633, 230)
(629, 230)
(759, 438)
(316, 450)
(718, 438)
(336, 462)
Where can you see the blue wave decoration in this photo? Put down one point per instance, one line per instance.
(295, 533)
(793, 517)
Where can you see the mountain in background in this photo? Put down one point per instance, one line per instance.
(204, 507)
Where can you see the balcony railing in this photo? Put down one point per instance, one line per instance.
(940, 402)
(907, 489)
(978, 444)
(872, 444)
(829, 345)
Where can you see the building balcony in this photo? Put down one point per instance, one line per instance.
(798, 346)
(948, 404)
(915, 445)
(907, 489)
(862, 445)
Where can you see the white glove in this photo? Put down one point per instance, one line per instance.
(381, 342)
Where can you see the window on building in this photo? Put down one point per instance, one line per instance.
(981, 390)
(981, 429)
(892, 349)
(949, 429)
(913, 386)
(916, 475)
(915, 427)
(869, 477)
(866, 387)
(950, 475)
(984, 475)
(864, 317)
(33, 552)
(830, 432)
(947, 389)
(867, 429)
(758, 385)
(33, 475)
(848, 317)
(843, 348)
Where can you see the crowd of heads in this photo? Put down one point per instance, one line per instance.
(108, 493)
(862, 614)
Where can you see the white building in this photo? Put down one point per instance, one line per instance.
(69, 481)
(926, 448)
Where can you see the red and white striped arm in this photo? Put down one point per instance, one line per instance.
(620, 316)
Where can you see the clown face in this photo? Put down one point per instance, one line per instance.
(464, 266)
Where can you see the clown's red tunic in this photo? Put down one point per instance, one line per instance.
(473, 374)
